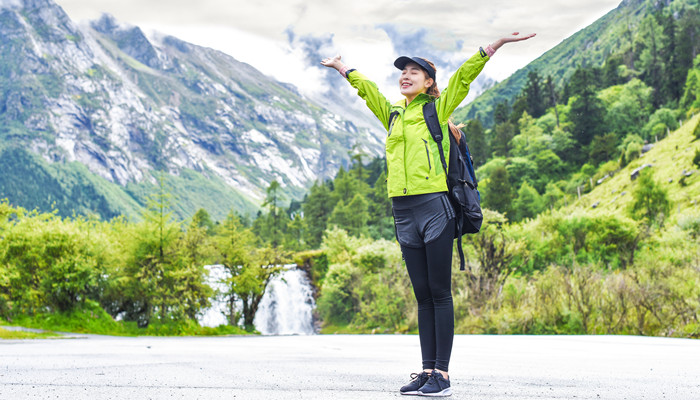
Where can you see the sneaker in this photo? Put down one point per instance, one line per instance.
(417, 380)
(436, 386)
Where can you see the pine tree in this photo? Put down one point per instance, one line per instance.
(357, 215)
(688, 41)
(583, 80)
(275, 214)
(201, 219)
(534, 95)
(345, 185)
(603, 148)
(587, 116)
(381, 225)
(501, 113)
(356, 155)
(317, 209)
(650, 59)
(295, 234)
(611, 75)
(476, 139)
(691, 90)
(500, 142)
(673, 76)
(497, 192)
(519, 107)
(551, 96)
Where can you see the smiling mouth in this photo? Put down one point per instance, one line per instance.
(405, 85)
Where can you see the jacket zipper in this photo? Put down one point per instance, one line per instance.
(427, 153)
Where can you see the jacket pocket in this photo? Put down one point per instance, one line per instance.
(427, 153)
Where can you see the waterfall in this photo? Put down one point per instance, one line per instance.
(287, 305)
(286, 308)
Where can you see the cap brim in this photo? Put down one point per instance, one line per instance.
(401, 62)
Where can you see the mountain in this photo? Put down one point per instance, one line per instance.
(133, 109)
(611, 34)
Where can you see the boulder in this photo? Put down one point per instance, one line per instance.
(636, 172)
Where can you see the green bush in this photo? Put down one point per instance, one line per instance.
(651, 202)
(52, 264)
(337, 305)
(315, 261)
(381, 306)
(559, 239)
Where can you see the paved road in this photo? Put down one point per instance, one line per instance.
(339, 367)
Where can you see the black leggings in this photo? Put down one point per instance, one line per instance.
(430, 270)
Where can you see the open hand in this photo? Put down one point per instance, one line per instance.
(332, 62)
(515, 37)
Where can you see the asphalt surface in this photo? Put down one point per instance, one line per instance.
(339, 367)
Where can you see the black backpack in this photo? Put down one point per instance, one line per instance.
(461, 179)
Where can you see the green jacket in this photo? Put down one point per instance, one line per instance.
(413, 160)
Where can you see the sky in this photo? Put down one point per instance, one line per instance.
(286, 39)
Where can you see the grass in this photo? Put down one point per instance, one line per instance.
(349, 329)
(9, 335)
(669, 157)
(92, 319)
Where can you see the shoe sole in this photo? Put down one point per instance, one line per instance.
(443, 393)
(413, 393)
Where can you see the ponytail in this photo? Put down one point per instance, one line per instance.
(454, 130)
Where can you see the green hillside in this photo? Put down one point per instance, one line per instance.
(612, 34)
(670, 158)
(30, 181)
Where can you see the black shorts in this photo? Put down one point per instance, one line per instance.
(420, 219)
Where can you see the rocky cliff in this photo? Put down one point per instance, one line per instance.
(126, 106)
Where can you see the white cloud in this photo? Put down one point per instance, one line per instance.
(256, 31)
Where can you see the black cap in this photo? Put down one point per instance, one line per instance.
(401, 62)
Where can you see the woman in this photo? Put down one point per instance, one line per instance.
(416, 183)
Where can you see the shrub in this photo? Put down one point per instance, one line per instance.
(336, 304)
(651, 202)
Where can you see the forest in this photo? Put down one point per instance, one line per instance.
(592, 226)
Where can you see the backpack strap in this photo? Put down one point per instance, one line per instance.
(431, 119)
(433, 123)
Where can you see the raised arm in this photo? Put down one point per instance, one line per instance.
(458, 87)
(514, 37)
(366, 89)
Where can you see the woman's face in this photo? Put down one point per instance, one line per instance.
(413, 81)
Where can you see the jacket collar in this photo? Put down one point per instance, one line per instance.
(421, 99)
